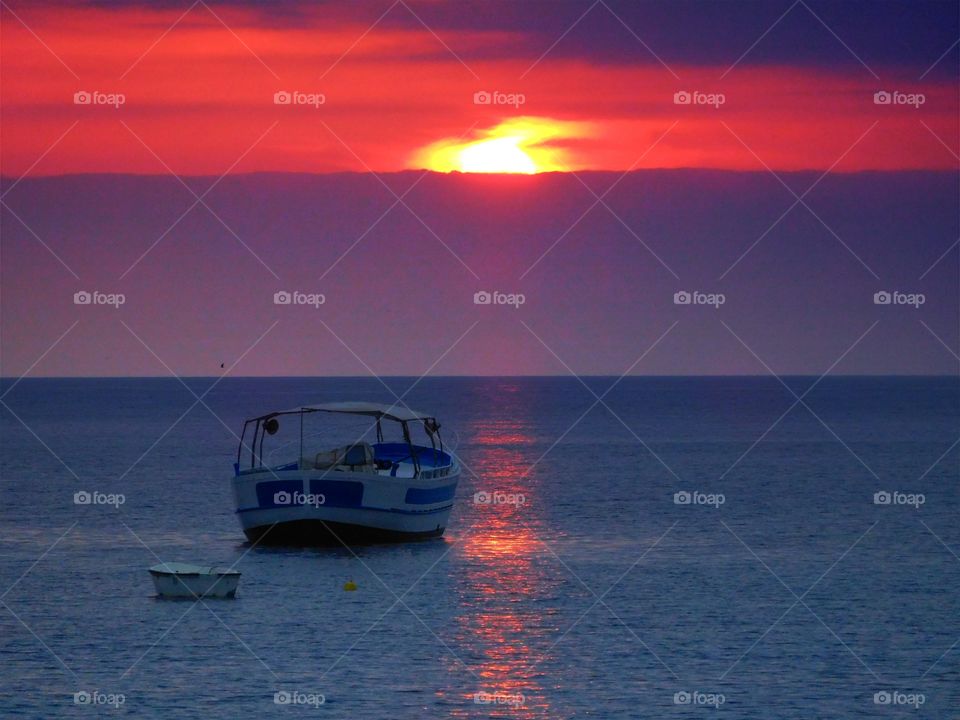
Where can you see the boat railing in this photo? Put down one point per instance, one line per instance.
(433, 463)
(268, 425)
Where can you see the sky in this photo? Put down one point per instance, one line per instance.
(588, 164)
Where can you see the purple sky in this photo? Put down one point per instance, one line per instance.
(401, 298)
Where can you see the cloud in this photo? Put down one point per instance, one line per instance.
(899, 34)
(199, 96)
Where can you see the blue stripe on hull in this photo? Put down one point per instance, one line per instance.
(339, 493)
(336, 493)
(429, 496)
(346, 494)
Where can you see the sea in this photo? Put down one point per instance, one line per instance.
(648, 547)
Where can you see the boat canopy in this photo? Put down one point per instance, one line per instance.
(268, 425)
(371, 409)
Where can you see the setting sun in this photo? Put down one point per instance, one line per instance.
(523, 145)
(497, 156)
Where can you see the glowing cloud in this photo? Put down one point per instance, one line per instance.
(519, 145)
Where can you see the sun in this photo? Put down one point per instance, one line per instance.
(502, 155)
(521, 145)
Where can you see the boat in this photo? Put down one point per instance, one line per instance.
(356, 493)
(182, 580)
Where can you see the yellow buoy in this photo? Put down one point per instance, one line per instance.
(350, 585)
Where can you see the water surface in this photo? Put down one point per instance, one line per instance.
(598, 595)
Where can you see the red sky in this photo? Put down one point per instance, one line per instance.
(599, 256)
(200, 95)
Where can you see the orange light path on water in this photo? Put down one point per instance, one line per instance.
(501, 552)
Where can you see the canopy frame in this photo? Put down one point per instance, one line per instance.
(380, 411)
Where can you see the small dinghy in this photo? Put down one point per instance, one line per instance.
(182, 580)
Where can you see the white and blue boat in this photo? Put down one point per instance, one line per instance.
(361, 492)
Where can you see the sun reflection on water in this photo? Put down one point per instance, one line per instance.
(504, 571)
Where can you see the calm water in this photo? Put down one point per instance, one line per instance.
(598, 596)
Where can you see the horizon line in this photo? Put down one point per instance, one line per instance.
(458, 173)
(447, 377)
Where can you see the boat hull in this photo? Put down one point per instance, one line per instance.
(322, 533)
(173, 585)
(336, 508)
